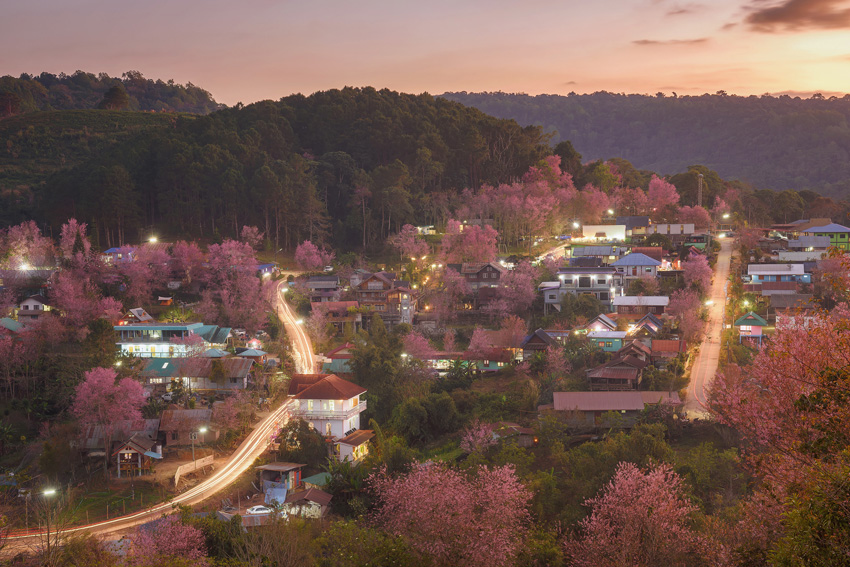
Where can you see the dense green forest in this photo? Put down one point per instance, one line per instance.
(354, 163)
(770, 142)
(79, 91)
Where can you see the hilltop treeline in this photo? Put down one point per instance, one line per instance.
(81, 90)
(355, 163)
(773, 142)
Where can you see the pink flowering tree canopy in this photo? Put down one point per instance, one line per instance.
(167, 539)
(473, 244)
(477, 437)
(251, 236)
(408, 244)
(696, 215)
(697, 273)
(445, 514)
(640, 518)
(311, 258)
(73, 240)
(23, 247)
(516, 291)
(102, 401)
(417, 345)
(663, 199)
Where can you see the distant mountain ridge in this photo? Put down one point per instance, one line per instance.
(771, 142)
(81, 91)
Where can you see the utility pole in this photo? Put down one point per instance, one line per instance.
(699, 190)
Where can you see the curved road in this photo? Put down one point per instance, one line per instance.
(705, 365)
(252, 447)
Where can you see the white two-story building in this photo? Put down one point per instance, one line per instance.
(604, 283)
(333, 407)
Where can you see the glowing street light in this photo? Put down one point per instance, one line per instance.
(299, 322)
(24, 267)
(725, 215)
(709, 302)
(610, 211)
(49, 492)
(153, 240)
(575, 225)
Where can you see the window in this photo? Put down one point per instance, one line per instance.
(601, 344)
(328, 428)
(174, 435)
(584, 281)
(609, 344)
(331, 405)
(600, 281)
(746, 328)
(309, 405)
(648, 270)
(553, 296)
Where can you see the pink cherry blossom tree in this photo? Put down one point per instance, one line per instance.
(252, 236)
(455, 520)
(696, 215)
(417, 346)
(23, 246)
(512, 330)
(473, 244)
(749, 238)
(167, 539)
(682, 301)
(697, 272)
(187, 260)
(73, 240)
(516, 291)
(638, 519)
(102, 401)
(311, 258)
(408, 244)
(480, 343)
(477, 437)
(663, 198)
(452, 288)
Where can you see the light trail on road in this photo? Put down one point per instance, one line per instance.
(244, 456)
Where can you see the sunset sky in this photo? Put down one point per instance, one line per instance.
(258, 49)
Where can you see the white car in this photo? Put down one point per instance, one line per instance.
(259, 510)
(167, 397)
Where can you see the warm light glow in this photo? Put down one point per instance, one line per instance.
(404, 355)
(746, 303)
(202, 430)
(299, 322)
(423, 257)
(575, 225)
(25, 267)
(49, 492)
(725, 215)
(610, 211)
(709, 302)
(118, 363)
(152, 240)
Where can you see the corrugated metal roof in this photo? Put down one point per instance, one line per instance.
(614, 373)
(598, 401)
(636, 259)
(606, 335)
(751, 319)
(832, 227)
(648, 300)
(776, 269)
(598, 250)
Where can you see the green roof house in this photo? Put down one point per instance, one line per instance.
(750, 326)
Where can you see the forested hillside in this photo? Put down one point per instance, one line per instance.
(771, 142)
(30, 93)
(354, 163)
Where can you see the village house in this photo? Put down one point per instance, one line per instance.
(635, 225)
(199, 374)
(606, 409)
(601, 323)
(636, 306)
(333, 407)
(136, 455)
(336, 360)
(677, 233)
(605, 254)
(155, 340)
(623, 372)
(393, 300)
(341, 313)
(92, 438)
(180, 428)
(602, 283)
(663, 350)
(323, 288)
(604, 232)
(32, 309)
(136, 315)
(310, 503)
(636, 266)
(750, 327)
(478, 275)
(837, 234)
(761, 273)
(608, 341)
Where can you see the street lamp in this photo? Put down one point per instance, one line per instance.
(725, 215)
(47, 494)
(153, 239)
(610, 211)
(575, 224)
(194, 436)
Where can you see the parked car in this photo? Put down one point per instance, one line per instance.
(329, 268)
(167, 397)
(259, 510)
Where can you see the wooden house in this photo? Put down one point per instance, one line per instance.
(750, 327)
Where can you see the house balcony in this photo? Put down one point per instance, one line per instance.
(329, 414)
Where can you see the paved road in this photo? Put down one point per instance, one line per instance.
(705, 366)
(239, 462)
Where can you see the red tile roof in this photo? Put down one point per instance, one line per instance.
(300, 382)
(330, 387)
(668, 346)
